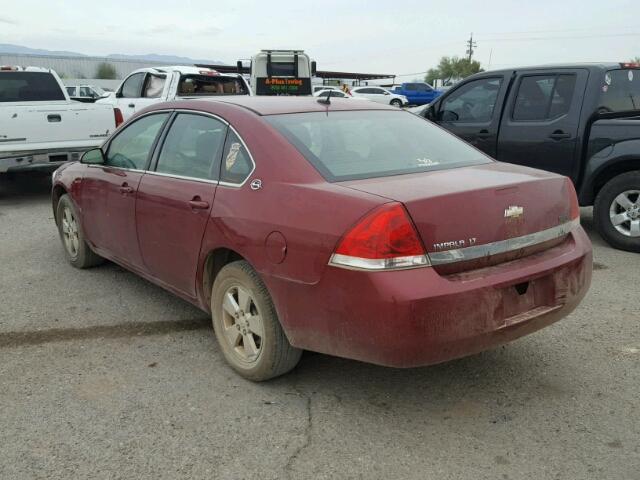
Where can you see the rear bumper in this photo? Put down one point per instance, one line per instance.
(40, 160)
(417, 317)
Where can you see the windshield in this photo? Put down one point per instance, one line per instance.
(210, 85)
(620, 91)
(364, 144)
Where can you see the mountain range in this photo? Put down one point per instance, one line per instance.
(8, 48)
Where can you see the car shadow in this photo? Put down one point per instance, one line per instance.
(24, 186)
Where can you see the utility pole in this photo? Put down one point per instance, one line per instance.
(470, 46)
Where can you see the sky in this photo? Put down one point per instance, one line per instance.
(402, 38)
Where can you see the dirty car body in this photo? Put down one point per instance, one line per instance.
(436, 254)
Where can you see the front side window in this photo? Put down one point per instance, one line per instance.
(86, 92)
(473, 102)
(544, 97)
(132, 146)
(71, 91)
(132, 86)
(192, 147)
(236, 161)
(365, 144)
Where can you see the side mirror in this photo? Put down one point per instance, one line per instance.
(430, 113)
(449, 116)
(239, 65)
(94, 156)
(387, 93)
(314, 67)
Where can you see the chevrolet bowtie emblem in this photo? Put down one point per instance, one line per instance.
(513, 211)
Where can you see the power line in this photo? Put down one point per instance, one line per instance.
(565, 37)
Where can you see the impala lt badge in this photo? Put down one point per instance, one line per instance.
(513, 212)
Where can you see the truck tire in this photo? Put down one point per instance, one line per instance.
(246, 325)
(616, 212)
(78, 252)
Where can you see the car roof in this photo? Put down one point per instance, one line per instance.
(183, 69)
(266, 105)
(584, 65)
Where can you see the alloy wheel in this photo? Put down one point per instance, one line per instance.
(70, 232)
(624, 213)
(242, 324)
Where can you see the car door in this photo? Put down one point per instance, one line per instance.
(378, 95)
(139, 91)
(541, 120)
(175, 198)
(472, 112)
(109, 191)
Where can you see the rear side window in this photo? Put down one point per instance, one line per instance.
(364, 144)
(208, 85)
(544, 97)
(620, 91)
(154, 86)
(132, 146)
(29, 87)
(192, 147)
(236, 161)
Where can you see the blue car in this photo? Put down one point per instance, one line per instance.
(418, 93)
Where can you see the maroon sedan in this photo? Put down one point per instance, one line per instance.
(352, 229)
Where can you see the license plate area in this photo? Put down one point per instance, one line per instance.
(531, 296)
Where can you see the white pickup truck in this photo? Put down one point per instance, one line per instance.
(147, 86)
(40, 127)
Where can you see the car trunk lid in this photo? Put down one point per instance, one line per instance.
(483, 205)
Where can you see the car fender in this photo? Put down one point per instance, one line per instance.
(605, 164)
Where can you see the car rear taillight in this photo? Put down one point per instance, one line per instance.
(385, 239)
(118, 116)
(574, 211)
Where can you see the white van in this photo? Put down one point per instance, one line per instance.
(282, 72)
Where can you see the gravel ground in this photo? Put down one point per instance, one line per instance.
(103, 375)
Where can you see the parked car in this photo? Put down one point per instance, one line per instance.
(353, 229)
(582, 121)
(380, 95)
(319, 88)
(147, 86)
(85, 93)
(336, 94)
(417, 93)
(40, 127)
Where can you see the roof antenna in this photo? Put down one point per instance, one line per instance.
(326, 101)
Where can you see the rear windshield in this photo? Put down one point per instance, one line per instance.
(365, 144)
(620, 91)
(29, 87)
(209, 85)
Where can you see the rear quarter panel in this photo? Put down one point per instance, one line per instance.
(294, 201)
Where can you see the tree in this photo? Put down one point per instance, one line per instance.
(106, 71)
(635, 60)
(453, 68)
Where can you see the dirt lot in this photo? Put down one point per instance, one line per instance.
(103, 375)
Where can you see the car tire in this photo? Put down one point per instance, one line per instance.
(78, 252)
(616, 212)
(246, 325)
(396, 103)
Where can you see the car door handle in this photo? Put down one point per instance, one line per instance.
(132, 105)
(559, 135)
(197, 204)
(484, 134)
(54, 118)
(125, 189)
